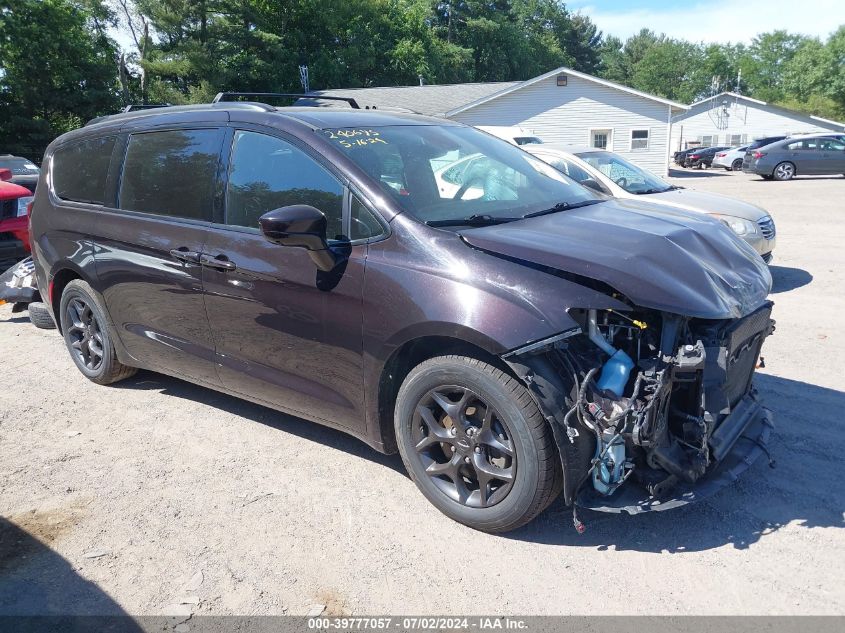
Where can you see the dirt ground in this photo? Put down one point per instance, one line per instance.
(158, 497)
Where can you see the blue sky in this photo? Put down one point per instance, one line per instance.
(713, 20)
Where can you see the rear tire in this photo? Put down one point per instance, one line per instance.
(40, 316)
(88, 337)
(497, 467)
(784, 171)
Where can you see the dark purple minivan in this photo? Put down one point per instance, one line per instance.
(421, 285)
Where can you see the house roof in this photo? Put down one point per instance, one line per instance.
(449, 99)
(433, 100)
(573, 73)
(786, 111)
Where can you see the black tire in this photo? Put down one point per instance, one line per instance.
(40, 316)
(784, 171)
(87, 335)
(737, 165)
(510, 421)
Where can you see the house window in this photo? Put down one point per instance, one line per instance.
(639, 139)
(601, 138)
(737, 139)
(709, 140)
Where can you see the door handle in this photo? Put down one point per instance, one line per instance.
(184, 255)
(221, 262)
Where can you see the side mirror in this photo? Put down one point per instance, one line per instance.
(592, 184)
(301, 226)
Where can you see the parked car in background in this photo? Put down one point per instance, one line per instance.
(730, 159)
(756, 144)
(512, 347)
(680, 157)
(702, 158)
(513, 135)
(804, 156)
(14, 223)
(613, 175)
(24, 171)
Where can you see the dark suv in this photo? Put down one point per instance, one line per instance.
(512, 334)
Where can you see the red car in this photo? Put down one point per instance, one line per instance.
(14, 223)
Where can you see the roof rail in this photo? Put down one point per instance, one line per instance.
(133, 107)
(224, 96)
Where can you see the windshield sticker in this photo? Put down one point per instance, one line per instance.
(355, 137)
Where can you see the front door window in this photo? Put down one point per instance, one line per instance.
(267, 173)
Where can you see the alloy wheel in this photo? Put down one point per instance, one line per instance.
(785, 172)
(464, 446)
(84, 334)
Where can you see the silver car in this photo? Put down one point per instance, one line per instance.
(798, 156)
(613, 175)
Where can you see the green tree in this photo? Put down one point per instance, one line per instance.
(763, 62)
(59, 69)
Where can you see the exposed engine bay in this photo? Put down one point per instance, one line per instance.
(653, 404)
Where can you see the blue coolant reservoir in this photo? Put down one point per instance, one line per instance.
(615, 373)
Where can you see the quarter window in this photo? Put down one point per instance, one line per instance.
(80, 169)
(171, 173)
(639, 139)
(267, 173)
(363, 223)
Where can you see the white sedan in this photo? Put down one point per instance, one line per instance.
(611, 174)
(730, 159)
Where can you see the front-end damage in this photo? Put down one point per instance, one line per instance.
(650, 410)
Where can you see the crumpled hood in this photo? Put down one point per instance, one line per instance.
(705, 202)
(660, 258)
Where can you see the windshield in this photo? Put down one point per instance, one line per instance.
(440, 173)
(18, 166)
(631, 178)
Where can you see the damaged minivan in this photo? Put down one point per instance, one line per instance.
(421, 285)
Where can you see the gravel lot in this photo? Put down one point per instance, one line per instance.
(158, 497)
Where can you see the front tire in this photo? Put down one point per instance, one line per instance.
(87, 336)
(737, 165)
(475, 443)
(784, 171)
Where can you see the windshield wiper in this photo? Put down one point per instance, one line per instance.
(657, 190)
(473, 220)
(562, 206)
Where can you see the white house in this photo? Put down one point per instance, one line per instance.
(731, 119)
(561, 106)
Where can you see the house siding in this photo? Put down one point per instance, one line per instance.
(745, 117)
(566, 114)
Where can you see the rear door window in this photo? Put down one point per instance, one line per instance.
(171, 173)
(80, 169)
